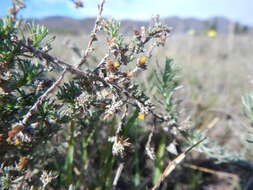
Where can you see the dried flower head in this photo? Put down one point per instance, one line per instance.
(119, 145)
(112, 66)
(47, 177)
(22, 163)
(4, 66)
(16, 129)
(17, 136)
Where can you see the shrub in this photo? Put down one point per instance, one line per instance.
(96, 130)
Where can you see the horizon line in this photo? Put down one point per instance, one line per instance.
(145, 20)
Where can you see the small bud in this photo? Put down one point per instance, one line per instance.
(78, 4)
(137, 34)
(112, 66)
(109, 41)
(94, 36)
(142, 61)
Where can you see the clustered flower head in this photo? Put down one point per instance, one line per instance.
(18, 136)
(119, 145)
(22, 164)
(46, 177)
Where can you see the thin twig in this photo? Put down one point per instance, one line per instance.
(52, 59)
(151, 49)
(122, 121)
(211, 171)
(118, 173)
(101, 62)
(129, 95)
(172, 165)
(213, 123)
(41, 98)
(93, 34)
(150, 150)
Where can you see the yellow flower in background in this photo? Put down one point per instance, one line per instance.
(141, 116)
(212, 33)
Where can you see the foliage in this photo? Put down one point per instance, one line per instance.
(99, 130)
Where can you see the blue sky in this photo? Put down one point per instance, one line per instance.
(238, 10)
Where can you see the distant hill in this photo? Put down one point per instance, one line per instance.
(179, 25)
